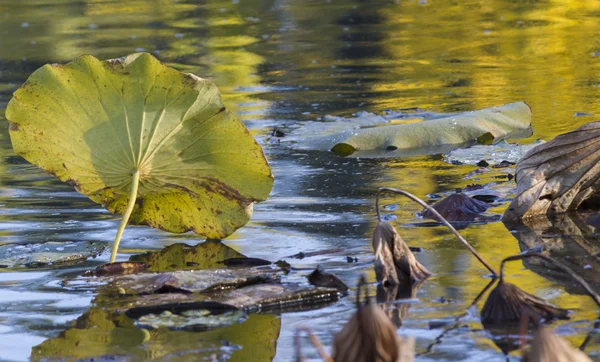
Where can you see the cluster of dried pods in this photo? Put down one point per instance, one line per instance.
(370, 334)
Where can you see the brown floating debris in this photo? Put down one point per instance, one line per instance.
(438, 217)
(508, 303)
(394, 262)
(245, 262)
(558, 176)
(322, 278)
(457, 207)
(548, 347)
(120, 268)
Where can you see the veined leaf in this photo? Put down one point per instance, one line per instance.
(142, 139)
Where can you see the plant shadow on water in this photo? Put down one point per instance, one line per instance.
(281, 64)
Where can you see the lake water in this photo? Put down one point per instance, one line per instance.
(280, 63)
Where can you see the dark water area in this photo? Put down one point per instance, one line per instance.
(280, 64)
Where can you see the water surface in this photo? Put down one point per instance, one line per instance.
(280, 63)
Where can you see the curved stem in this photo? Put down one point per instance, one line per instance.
(132, 197)
(569, 271)
(441, 219)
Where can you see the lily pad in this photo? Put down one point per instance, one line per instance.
(143, 140)
(36, 255)
(427, 137)
(559, 176)
(207, 255)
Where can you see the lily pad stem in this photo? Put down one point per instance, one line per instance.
(132, 197)
(440, 218)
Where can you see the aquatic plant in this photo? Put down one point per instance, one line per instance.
(143, 140)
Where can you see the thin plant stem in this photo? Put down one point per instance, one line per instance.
(440, 218)
(132, 197)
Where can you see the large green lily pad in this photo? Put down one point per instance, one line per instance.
(135, 126)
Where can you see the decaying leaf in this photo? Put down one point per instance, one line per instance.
(457, 207)
(548, 347)
(394, 262)
(143, 140)
(508, 303)
(560, 175)
(322, 278)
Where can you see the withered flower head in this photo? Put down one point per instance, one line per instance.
(394, 262)
(548, 347)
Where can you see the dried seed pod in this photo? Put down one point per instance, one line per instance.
(457, 207)
(394, 262)
(548, 347)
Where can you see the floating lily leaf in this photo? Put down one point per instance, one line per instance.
(457, 207)
(558, 176)
(143, 140)
(207, 255)
(429, 137)
(492, 154)
(36, 255)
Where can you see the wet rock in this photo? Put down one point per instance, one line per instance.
(190, 281)
(457, 207)
(253, 298)
(322, 278)
(52, 252)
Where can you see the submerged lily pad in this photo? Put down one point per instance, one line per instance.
(52, 252)
(438, 135)
(191, 320)
(492, 154)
